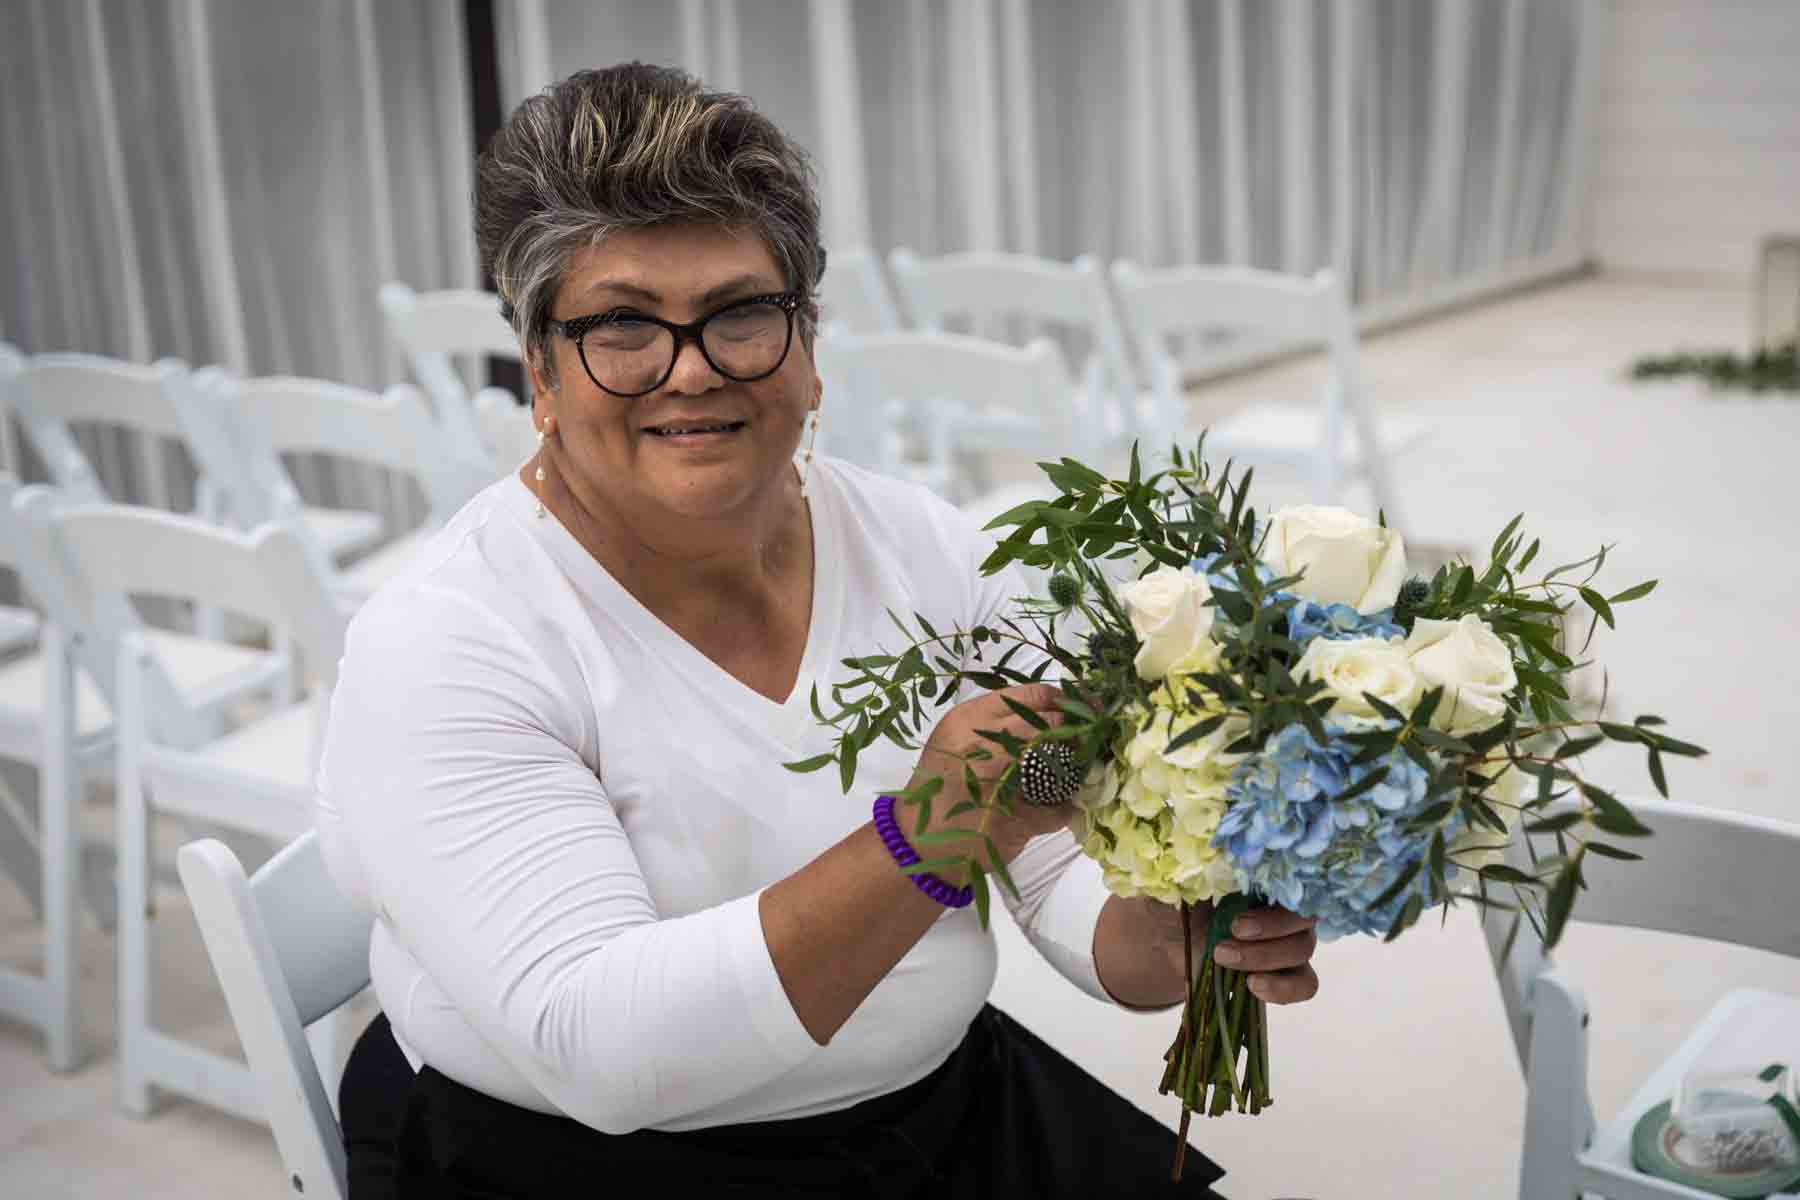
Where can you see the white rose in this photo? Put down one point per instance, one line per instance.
(1169, 612)
(1351, 666)
(1347, 559)
(1473, 666)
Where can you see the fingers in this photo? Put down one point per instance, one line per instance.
(1268, 954)
(1042, 697)
(1271, 922)
(1292, 986)
(1275, 947)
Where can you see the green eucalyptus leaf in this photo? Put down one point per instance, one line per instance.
(1554, 824)
(1636, 592)
(1561, 902)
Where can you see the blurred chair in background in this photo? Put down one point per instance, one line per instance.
(288, 950)
(256, 777)
(1337, 440)
(854, 294)
(57, 714)
(506, 428)
(985, 290)
(393, 430)
(60, 391)
(972, 395)
(431, 329)
(1707, 873)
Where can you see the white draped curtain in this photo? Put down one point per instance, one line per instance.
(231, 182)
(1425, 147)
(227, 182)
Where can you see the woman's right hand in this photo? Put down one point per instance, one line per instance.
(947, 751)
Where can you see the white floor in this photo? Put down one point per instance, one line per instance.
(1399, 1079)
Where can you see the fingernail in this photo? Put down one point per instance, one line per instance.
(1228, 954)
(1257, 987)
(1245, 927)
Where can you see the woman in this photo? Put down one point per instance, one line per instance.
(616, 938)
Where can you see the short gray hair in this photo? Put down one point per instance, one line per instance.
(628, 147)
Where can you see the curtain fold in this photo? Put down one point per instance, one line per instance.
(231, 182)
(234, 191)
(1162, 130)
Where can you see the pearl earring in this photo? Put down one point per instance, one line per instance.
(543, 432)
(812, 435)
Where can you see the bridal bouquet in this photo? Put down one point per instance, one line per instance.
(1271, 710)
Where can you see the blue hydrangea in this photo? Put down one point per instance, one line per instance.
(1290, 844)
(1306, 619)
(1336, 622)
(1227, 577)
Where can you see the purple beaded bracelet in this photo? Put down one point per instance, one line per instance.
(906, 856)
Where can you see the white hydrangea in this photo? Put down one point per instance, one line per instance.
(1150, 818)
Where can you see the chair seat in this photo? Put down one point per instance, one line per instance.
(1746, 1028)
(360, 581)
(18, 628)
(1290, 432)
(343, 531)
(207, 672)
(258, 777)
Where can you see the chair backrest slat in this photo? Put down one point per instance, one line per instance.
(53, 392)
(320, 937)
(287, 948)
(450, 321)
(924, 367)
(854, 294)
(1705, 872)
(74, 388)
(1160, 304)
(266, 575)
(392, 429)
(987, 284)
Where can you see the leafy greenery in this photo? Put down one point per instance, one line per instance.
(1771, 369)
(1098, 527)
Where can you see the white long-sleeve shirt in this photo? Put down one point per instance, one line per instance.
(563, 814)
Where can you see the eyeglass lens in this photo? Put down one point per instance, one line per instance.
(630, 356)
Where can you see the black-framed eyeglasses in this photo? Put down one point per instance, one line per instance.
(628, 353)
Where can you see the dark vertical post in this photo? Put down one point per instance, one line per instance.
(487, 116)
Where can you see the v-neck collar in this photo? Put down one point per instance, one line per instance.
(789, 720)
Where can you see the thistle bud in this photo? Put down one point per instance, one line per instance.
(1065, 589)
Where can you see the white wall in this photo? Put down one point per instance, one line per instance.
(1698, 136)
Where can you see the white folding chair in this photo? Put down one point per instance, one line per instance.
(1338, 440)
(1706, 873)
(288, 949)
(58, 391)
(969, 395)
(506, 427)
(983, 287)
(256, 778)
(57, 709)
(392, 429)
(433, 327)
(854, 294)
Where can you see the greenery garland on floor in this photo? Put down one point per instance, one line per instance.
(1771, 369)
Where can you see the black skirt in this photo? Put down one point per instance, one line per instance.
(1006, 1115)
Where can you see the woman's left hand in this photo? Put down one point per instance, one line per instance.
(1142, 959)
(1275, 947)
